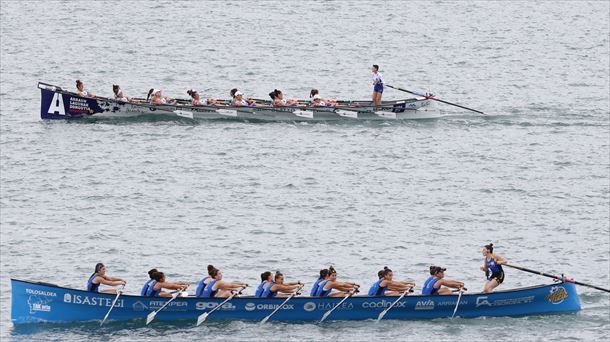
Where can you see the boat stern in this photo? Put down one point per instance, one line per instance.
(56, 103)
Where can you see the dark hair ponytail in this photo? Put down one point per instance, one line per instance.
(233, 91)
(78, 82)
(323, 273)
(313, 92)
(385, 271)
(490, 247)
(212, 271)
(158, 276)
(376, 67)
(151, 272)
(331, 270)
(265, 275)
(115, 89)
(98, 267)
(272, 95)
(149, 93)
(277, 275)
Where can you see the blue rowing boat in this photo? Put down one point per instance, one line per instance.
(42, 302)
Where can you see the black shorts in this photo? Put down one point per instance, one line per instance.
(498, 276)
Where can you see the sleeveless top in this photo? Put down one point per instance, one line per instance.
(91, 287)
(151, 292)
(429, 288)
(145, 288)
(260, 289)
(493, 266)
(209, 292)
(314, 289)
(201, 286)
(376, 290)
(268, 293)
(321, 292)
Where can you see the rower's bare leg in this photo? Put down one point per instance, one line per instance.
(282, 295)
(113, 291)
(444, 291)
(490, 286)
(338, 294)
(223, 294)
(374, 98)
(392, 293)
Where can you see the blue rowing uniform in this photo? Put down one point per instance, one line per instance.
(201, 286)
(376, 290)
(321, 292)
(314, 289)
(429, 288)
(151, 292)
(145, 288)
(91, 287)
(260, 289)
(493, 266)
(209, 292)
(267, 293)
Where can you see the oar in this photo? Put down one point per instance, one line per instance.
(205, 315)
(152, 315)
(336, 306)
(380, 317)
(118, 293)
(435, 99)
(558, 278)
(458, 303)
(279, 307)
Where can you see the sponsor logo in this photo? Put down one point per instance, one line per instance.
(91, 301)
(424, 305)
(37, 303)
(309, 306)
(250, 306)
(78, 105)
(57, 105)
(382, 304)
(328, 306)
(139, 306)
(211, 305)
(558, 294)
(483, 300)
(41, 293)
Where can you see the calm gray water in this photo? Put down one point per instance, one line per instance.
(249, 197)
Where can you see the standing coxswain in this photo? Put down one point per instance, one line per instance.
(492, 266)
(377, 79)
(99, 277)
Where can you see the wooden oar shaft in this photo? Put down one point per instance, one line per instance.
(557, 277)
(435, 99)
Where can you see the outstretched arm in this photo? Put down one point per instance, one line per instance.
(451, 283)
(500, 260)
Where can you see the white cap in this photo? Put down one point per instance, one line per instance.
(238, 93)
(316, 97)
(155, 91)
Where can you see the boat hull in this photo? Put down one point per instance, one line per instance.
(59, 104)
(39, 302)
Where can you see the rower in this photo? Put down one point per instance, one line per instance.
(145, 287)
(492, 266)
(196, 99)
(266, 278)
(155, 288)
(278, 99)
(118, 93)
(326, 287)
(277, 288)
(99, 277)
(157, 98)
(80, 90)
(323, 276)
(238, 99)
(377, 79)
(434, 284)
(204, 282)
(386, 286)
(326, 102)
(217, 288)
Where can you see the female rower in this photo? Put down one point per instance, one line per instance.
(238, 99)
(266, 279)
(147, 283)
(99, 277)
(118, 93)
(326, 287)
(156, 98)
(277, 288)
(377, 79)
(278, 99)
(434, 284)
(80, 90)
(155, 288)
(217, 288)
(204, 282)
(327, 102)
(323, 276)
(195, 99)
(492, 264)
(386, 286)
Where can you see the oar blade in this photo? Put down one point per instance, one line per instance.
(265, 320)
(150, 317)
(202, 318)
(380, 317)
(326, 314)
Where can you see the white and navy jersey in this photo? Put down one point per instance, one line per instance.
(377, 78)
